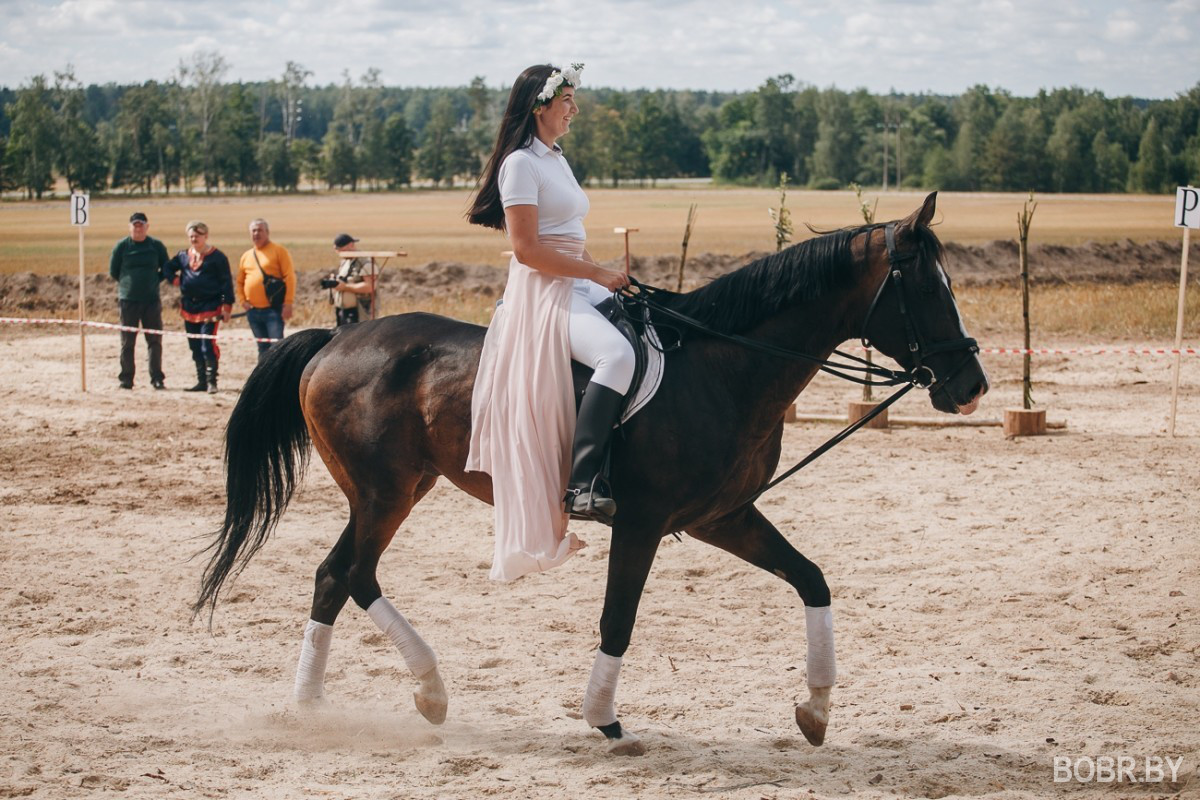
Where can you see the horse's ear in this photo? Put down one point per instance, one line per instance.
(923, 215)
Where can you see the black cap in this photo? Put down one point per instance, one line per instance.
(343, 239)
(138, 216)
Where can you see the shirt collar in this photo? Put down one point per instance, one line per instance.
(539, 148)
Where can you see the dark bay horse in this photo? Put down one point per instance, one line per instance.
(387, 405)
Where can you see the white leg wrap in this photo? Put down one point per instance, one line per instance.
(418, 655)
(822, 666)
(599, 701)
(314, 654)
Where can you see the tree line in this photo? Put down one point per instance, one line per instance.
(199, 132)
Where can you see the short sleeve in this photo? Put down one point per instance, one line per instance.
(518, 183)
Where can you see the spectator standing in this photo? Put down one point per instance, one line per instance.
(136, 264)
(259, 267)
(355, 286)
(206, 297)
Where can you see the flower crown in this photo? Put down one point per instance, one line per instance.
(570, 76)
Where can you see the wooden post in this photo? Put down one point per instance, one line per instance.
(1183, 269)
(1025, 421)
(81, 218)
(82, 329)
(626, 231)
(1023, 221)
(687, 235)
(859, 410)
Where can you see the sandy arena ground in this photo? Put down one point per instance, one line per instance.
(998, 603)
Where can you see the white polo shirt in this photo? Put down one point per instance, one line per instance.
(537, 175)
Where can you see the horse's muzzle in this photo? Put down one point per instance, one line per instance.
(961, 392)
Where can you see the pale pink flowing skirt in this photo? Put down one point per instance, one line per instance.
(523, 418)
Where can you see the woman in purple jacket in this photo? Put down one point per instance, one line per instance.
(206, 297)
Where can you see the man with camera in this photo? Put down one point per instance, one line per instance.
(352, 286)
(265, 285)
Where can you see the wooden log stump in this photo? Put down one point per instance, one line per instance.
(1024, 422)
(859, 409)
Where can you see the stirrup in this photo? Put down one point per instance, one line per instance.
(582, 503)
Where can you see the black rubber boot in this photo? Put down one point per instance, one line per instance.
(588, 494)
(201, 380)
(211, 376)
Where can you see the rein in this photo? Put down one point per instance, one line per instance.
(920, 375)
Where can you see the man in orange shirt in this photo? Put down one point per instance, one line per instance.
(268, 305)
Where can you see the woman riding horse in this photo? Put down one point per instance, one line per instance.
(693, 459)
(523, 406)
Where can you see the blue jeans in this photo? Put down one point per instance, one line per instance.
(265, 323)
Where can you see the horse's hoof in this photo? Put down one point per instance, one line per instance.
(627, 745)
(311, 705)
(431, 699)
(812, 724)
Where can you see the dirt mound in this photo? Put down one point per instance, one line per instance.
(1115, 262)
(27, 293)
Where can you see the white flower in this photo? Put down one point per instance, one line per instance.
(551, 88)
(571, 76)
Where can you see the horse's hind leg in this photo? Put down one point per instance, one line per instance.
(350, 571)
(329, 596)
(378, 519)
(750, 536)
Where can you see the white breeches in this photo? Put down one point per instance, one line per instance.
(595, 342)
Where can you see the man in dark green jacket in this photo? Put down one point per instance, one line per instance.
(136, 264)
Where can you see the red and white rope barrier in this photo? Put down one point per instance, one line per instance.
(112, 327)
(1109, 350)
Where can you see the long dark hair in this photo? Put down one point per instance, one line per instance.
(517, 127)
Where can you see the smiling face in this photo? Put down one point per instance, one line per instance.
(260, 234)
(554, 118)
(138, 230)
(197, 239)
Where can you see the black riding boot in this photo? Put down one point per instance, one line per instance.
(211, 377)
(201, 380)
(587, 492)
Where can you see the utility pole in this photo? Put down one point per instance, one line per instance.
(885, 126)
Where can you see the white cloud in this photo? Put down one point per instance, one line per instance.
(1121, 30)
(942, 46)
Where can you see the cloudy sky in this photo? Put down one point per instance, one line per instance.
(1145, 48)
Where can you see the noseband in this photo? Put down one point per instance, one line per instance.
(920, 373)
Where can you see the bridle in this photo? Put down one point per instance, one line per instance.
(921, 374)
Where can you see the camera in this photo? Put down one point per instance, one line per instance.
(329, 283)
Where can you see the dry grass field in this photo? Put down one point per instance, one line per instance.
(429, 225)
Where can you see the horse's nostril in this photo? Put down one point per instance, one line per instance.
(980, 389)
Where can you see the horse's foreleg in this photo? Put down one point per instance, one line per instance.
(750, 536)
(628, 566)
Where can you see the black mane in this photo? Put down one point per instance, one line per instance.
(740, 299)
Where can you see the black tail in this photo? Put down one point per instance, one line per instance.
(266, 452)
